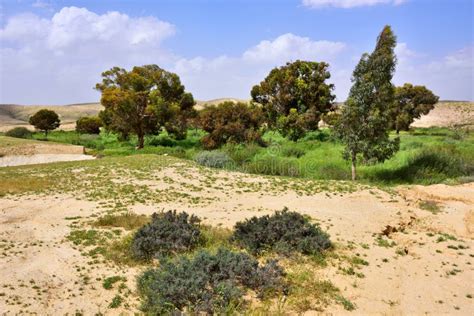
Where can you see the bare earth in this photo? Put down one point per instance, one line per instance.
(42, 272)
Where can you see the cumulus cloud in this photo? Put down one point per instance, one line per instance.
(60, 59)
(346, 4)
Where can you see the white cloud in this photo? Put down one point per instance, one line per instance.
(41, 4)
(346, 4)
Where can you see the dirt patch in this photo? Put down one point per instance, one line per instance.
(7, 161)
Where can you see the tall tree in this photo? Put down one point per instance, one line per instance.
(143, 101)
(45, 120)
(301, 86)
(365, 118)
(411, 102)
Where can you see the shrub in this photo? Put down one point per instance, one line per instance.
(212, 283)
(274, 166)
(283, 232)
(88, 125)
(242, 153)
(167, 233)
(19, 132)
(213, 159)
(230, 122)
(291, 151)
(162, 140)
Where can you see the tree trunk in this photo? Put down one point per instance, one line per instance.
(398, 131)
(141, 141)
(353, 160)
(46, 133)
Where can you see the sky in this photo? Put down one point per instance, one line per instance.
(53, 52)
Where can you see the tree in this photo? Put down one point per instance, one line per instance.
(411, 103)
(230, 122)
(301, 86)
(144, 100)
(365, 118)
(45, 120)
(88, 125)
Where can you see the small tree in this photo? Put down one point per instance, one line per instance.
(296, 89)
(365, 118)
(143, 101)
(230, 122)
(411, 103)
(45, 120)
(88, 125)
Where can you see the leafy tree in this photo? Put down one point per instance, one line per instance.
(301, 86)
(143, 101)
(411, 102)
(88, 125)
(365, 118)
(230, 122)
(45, 120)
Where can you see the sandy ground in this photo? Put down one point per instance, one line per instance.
(42, 272)
(40, 159)
(448, 114)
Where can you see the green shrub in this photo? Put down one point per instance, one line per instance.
(275, 166)
(291, 151)
(213, 159)
(19, 132)
(211, 283)
(162, 140)
(88, 125)
(283, 232)
(167, 233)
(242, 153)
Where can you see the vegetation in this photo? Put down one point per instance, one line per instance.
(144, 100)
(411, 103)
(212, 283)
(284, 232)
(295, 96)
(88, 125)
(364, 123)
(213, 159)
(167, 233)
(45, 120)
(230, 122)
(19, 132)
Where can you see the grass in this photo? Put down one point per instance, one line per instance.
(128, 221)
(430, 206)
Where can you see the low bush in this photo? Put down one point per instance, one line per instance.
(283, 232)
(275, 166)
(242, 153)
(128, 221)
(167, 233)
(19, 132)
(162, 140)
(292, 151)
(210, 283)
(88, 125)
(213, 159)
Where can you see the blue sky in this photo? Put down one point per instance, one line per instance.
(52, 52)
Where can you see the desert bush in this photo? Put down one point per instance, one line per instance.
(212, 283)
(88, 125)
(128, 221)
(272, 165)
(283, 232)
(230, 122)
(213, 159)
(162, 140)
(19, 132)
(167, 233)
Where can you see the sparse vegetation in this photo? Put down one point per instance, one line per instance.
(19, 132)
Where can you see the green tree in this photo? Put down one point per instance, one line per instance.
(365, 118)
(144, 101)
(411, 102)
(301, 86)
(88, 125)
(45, 120)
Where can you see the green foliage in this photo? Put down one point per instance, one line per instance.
(284, 232)
(143, 101)
(411, 103)
(45, 120)
(273, 165)
(162, 140)
(88, 125)
(230, 122)
(213, 159)
(211, 283)
(109, 282)
(167, 233)
(19, 132)
(127, 221)
(301, 86)
(365, 118)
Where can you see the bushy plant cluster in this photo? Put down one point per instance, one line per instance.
(213, 159)
(162, 140)
(283, 232)
(19, 132)
(273, 165)
(88, 125)
(212, 283)
(230, 122)
(167, 233)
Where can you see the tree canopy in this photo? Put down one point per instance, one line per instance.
(45, 120)
(365, 118)
(143, 101)
(301, 86)
(411, 102)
